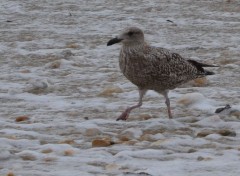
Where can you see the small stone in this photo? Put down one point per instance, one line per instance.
(101, 143)
(229, 148)
(111, 167)
(200, 158)
(73, 113)
(226, 132)
(28, 156)
(67, 53)
(130, 142)
(13, 137)
(199, 82)
(223, 132)
(192, 150)
(145, 116)
(191, 98)
(10, 174)
(48, 150)
(204, 133)
(97, 164)
(37, 85)
(218, 110)
(86, 118)
(132, 133)
(123, 138)
(49, 159)
(67, 141)
(109, 91)
(55, 64)
(25, 71)
(92, 132)
(146, 137)
(150, 137)
(43, 142)
(158, 143)
(68, 152)
(21, 118)
(72, 45)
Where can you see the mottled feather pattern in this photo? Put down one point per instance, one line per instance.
(156, 68)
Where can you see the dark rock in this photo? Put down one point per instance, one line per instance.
(227, 133)
(218, 110)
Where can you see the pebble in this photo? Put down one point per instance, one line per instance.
(191, 98)
(227, 133)
(218, 110)
(132, 133)
(109, 91)
(124, 138)
(223, 132)
(158, 143)
(192, 150)
(200, 158)
(67, 141)
(111, 167)
(68, 152)
(150, 137)
(86, 118)
(21, 118)
(199, 82)
(67, 53)
(101, 143)
(39, 84)
(144, 116)
(72, 45)
(146, 137)
(50, 159)
(25, 71)
(28, 156)
(130, 142)
(73, 113)
(92, 132)
(48, 150)
(10, 174)
(54, 65)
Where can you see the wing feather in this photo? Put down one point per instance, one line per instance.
(171, 69)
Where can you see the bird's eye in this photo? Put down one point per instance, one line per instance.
(130, 33)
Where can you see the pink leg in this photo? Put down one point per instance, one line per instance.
(165, 94)
(126, 113)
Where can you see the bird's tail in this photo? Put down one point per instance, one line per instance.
(206, 72)
(200, 66)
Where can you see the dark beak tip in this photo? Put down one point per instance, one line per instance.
(113, 41)
(109, 44)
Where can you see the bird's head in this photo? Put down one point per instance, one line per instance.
(130, 36)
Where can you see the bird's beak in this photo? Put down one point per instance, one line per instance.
(113, 41)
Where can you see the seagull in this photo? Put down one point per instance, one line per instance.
(153, 68)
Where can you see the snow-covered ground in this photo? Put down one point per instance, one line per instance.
(61, 90)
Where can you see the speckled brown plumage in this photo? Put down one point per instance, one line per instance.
(153, 68)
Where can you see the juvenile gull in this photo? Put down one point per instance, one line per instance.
(153, 68)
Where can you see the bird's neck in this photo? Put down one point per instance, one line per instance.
(134, 47)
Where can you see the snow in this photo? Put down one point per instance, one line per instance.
(63, 101)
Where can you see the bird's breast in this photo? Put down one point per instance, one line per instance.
(133, 68)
